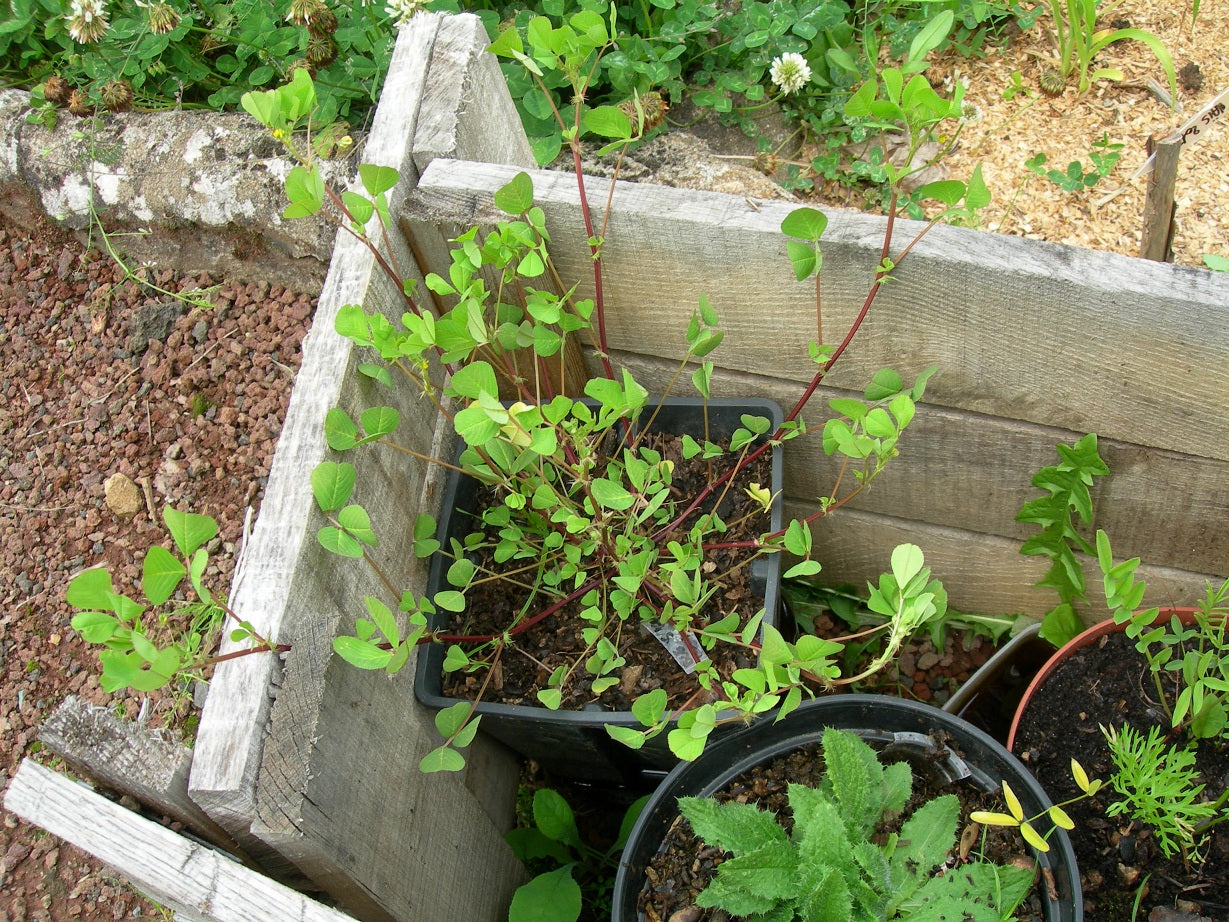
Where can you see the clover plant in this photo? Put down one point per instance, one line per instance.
(146, 645)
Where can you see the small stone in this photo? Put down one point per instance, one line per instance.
(928, 660)
(122, 496)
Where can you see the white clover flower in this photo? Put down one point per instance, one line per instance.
(87, 20)
(400, 11)
(790, 72)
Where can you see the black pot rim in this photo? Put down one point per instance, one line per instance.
(726, 758)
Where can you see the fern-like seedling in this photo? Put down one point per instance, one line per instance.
(1067, 485)
(830, 867)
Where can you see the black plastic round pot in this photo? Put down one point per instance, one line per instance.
(964, 752)
(575, 744)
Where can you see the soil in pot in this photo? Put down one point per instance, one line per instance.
(685, 864)
(1118, 858)
(525, 666)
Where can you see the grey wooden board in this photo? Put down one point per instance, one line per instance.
(336, 792)
(973, 472)
(130, 759)
(1053, 335)
(983, 574)
(199, 883)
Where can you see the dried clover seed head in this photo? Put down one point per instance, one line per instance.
(79, 104)
(56, 90)
(1052, 83)
(321, 51)
(163, 18)
(303, 12)
(323, 24)
(117, 96)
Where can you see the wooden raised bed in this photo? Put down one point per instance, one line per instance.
(309, 764)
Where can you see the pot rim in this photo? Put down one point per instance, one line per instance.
(1085, 638)
(868, 715)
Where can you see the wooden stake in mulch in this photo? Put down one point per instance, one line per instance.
(1157, 239)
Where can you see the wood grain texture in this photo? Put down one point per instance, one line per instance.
(973, 472)
(1053, 335)
(983, 574)
(236, 716)
(337, 794)
(197, 882)
(130, 759)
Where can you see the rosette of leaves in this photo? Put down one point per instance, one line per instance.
(831, 867)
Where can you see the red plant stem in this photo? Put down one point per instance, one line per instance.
(235, 654)
(596, 253)
(815, 381)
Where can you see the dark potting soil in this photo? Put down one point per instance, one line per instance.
(525, 665)
(685, 865)
(1108, 683)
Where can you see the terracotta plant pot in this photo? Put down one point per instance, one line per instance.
(1125, 870)
(1063, 653)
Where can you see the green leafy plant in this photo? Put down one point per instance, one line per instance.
(585, 519)
(98, 55)
(1216, 263)
(1067, 484)
(1056, 815)
(1198, 654)
(1077, 41)
(148, 644)
(830, 867)
(808, 600)
(578, 874)
(586, 528)
(1158, 784)
(1104, 155)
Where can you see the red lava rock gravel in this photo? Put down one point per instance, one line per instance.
(99, 376)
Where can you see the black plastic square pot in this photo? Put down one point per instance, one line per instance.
(575, 744)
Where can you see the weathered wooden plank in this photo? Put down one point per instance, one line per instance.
(235, 718)
(197, 882)
(982, 573)
(471, 108)
(1054, 335)
(337, 793)
(130, 759)
(973, 472)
